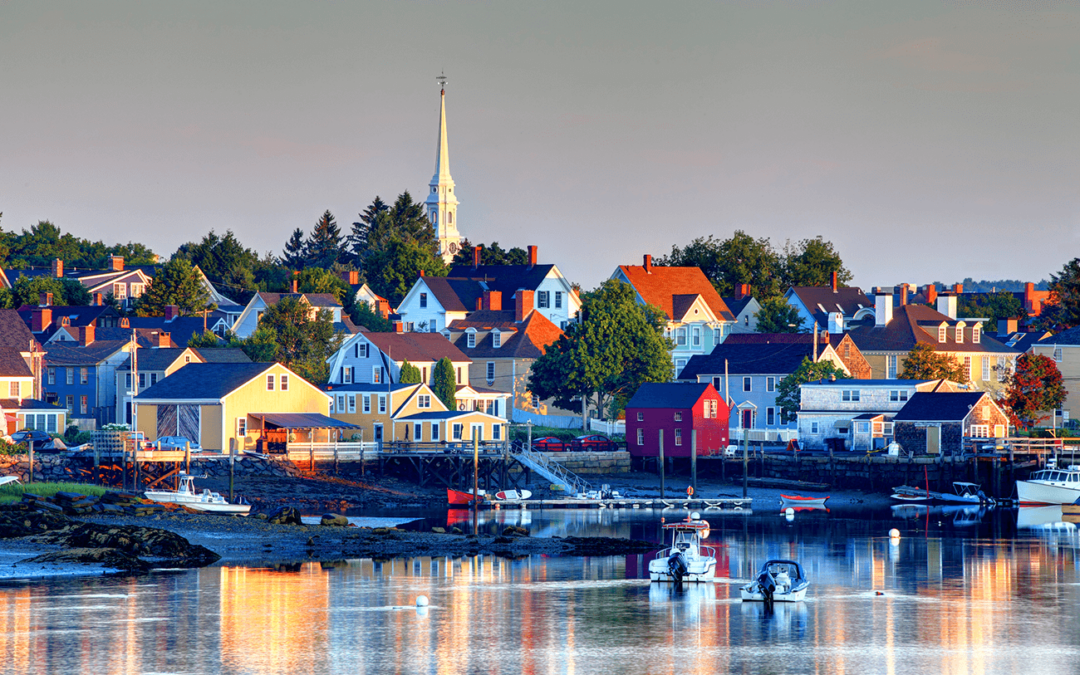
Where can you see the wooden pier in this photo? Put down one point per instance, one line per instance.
(703, 505)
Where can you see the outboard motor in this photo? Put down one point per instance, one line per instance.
(767, 585)
(676, 564)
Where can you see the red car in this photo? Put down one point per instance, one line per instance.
(549, 444)
(594, 443)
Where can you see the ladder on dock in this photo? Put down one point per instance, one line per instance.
(552, 471)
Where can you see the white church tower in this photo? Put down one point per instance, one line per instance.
(441, 201)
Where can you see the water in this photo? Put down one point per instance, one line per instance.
(967, 594)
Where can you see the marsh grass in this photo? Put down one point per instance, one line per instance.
(13, 492)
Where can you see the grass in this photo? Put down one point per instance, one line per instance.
(13, 492)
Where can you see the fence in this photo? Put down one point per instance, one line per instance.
(616, 428)
(763, 435)
(554, 421)
(345, 452)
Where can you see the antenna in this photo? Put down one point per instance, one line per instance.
(441, 79)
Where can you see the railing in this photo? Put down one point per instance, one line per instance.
(458, 448)
(559, 473)
(328, 451)
(764, 435)
(616, 428)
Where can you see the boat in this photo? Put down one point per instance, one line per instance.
(459, 498)
(778, 581)
(512, 494)
(4, 480)
(963, 493)
(1050, 486)
(186, 495)
(687, 560)
(797, 500)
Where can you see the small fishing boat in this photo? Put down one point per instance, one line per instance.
(798, 500)
(512, 495)
(459, 498)
(186, 495)
(687, 559)
(1050, 486)
(963, 493)
(778, 581)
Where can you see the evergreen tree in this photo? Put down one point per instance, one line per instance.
(361, 230)
(303, 343)
(325, 246)
(296, 251)
(409, 374)
(444, 382)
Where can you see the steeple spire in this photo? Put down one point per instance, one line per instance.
(441, 201)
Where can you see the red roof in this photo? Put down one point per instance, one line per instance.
(660, 286)
(416, 347)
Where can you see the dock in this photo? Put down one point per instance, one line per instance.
(705, 505)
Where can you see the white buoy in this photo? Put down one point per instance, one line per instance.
(421, 601)
(790, 517)
(789, 511)
(894, 533)
(695, 515)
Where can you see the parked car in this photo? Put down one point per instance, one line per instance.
(42, 441)
(593, 443)
(177, 443)
(549, 444)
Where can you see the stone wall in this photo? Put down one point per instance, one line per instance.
(593, 462)
(61, 469)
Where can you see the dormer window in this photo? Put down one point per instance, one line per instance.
(496, 339)
(943, 332)
(976, 334)
(959, 333)
(470, 338)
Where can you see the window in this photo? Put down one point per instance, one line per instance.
(423, 401)
(558, 299)
(470, 339)
(459, 375)
(458, 428)
(137, 290)
(535, 401)
(814, 427)
(127, 381)
(695, 336)
(496, 432)
(490, 372)
(678, 435)
(898, 395)
(82, 405)
(942, 333)
(153, 379)
(187, 358)
(50, 421)
(679, 365)
(770, 416)
(360, 350)
(640, 416)
(434, 431)
(13, 390)
(967, 368)
(70, 375)
(985, 368)
(770, 384)
(418, 431)
(976, 333)
(850, 395)
(120, 291)
(496, 339)
(980, 431)
(1002, 369)
(960, 334)
(680, 336)
(747, 384)
(542, 299)
(52, 375)
(376, 374)
(678, 416)
(641, 437)
(716, 383)
(241, 426)
(1057, 357)
(890, 366)
(862, 427)
(367, 403)
(70, 402)
(352, 403)
(341, 403)
(423, 299)
(269, 383)
(84, 375)
(382, 403)
(284, 382)
(142, 381)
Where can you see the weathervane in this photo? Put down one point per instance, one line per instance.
(441, 79)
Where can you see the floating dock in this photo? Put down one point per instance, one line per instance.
(722, 503)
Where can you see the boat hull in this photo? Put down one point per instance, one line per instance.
(199, 505)
(751, 595)
(789, 500)
(699, 571)
(1030, 493)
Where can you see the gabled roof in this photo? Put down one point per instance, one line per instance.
(526, 340)
(668, 395)
(180, 329)
(737, 305)
(455, 295)
(486, 319)
(416, 347)
(15, 338)
(156, 359)
(939, 407)
(205, 381)
(749, 359)
(323, 300)
(822, 301)
(1065, 337)
(504, 278)
(672, 289)
(223, 355)
(918, 324)
(73, 354)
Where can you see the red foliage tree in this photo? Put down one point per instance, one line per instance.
(1033, 391)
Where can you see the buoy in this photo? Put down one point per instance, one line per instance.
(789, 511)
(421, 601)
(694, 515)
(894, 533)
(790, 517)
(496, 507)
(878, 593)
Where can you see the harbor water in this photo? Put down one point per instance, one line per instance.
(961, 591)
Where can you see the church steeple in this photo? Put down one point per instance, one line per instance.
(441, 201)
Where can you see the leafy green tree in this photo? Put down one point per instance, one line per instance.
(811, 262)
(616, 346)
(7, 299)
(730, 262)
(993, 306)
(205, 340)
(490, 254)
(393, 268)
(788, 392)
(364, 315)
(28, 290)
(444, 382)
(1033, 390)
(44, 242)
(777, 316)
(304, 342)
(176, 283)
(1065, 294)
(75, 294)
(262, 347)
(409, 374)
(923, 362)
(224, 260)
(319, 280)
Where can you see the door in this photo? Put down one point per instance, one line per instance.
(747, 419)
(933, 440)
(378, 432)
(478, 432)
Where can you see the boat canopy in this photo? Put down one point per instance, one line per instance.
(302, 421)
(770, 565)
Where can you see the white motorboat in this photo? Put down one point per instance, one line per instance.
(186, 495)
(687, 559)
(778, 581)
(1050, 486)
(963, 493)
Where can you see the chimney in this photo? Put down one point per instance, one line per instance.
(903, 294)
(160, 339)
(44, 299)
(479, 304)
(958, 289)
(836, 323)
(524, 305)
(834, 282)
(58, 268)
(1006, 327)
(946, 304)
(40, 319)
(116, 263)
(476, 257)
(295, 283)
(647, 264)
(532, 257)
(399, 327)
(742, 291)
(1029, 298)
(882, 309)
(421, 273)
(931, 294)
(351, 277)
(383, 308)
(98, 300)
(171, 312)
(493, 300)
(86, 335)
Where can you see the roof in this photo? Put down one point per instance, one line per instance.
(365, 387)
(1023, 341)
(486, 319)
(444, 415)
(180, 329)
(938, 406)
(416, 347)
(155, 359)
(324, 300)
(917, 324)
(822, 301)
(1065, 337)
(869, 383)
(673, 289)
(28, 404)
(455, 295)
(15, 338)
(737, 305)
(204, 381)
(528, 340)
(302, 421)
(222, 355)
(749, 359)
(503, 278)
(73, 354)
(668, 395)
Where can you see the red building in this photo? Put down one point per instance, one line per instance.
(676, 409)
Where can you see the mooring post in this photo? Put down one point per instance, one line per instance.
(30, 475)
(476, 484)
(745, 462)
(335, 456)
(693, 460)
(662, 467)
(232, 465)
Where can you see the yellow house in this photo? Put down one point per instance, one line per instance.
(225, 405)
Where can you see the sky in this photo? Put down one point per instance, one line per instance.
(928, 140)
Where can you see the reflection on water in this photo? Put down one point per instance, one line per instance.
(956, 598)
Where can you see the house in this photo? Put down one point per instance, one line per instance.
(247, 322)
(152, 366)
(855, 414)
(894, 332)
(237, 405)
(675, 411)
(745, 308)
(410, 413)
(753, 369)
(1064, 349)
(21, 363)
(433, 303)
(503, 345)
(180, 328)
(376, 358)
(46, 319)
(842, 346)
(818, 306)
(932, 423)
(697, 318)
(80, 374)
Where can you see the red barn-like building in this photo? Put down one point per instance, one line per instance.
(677, 409)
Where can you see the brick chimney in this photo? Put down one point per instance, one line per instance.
(172, 312)
(532, 256)
(1006, 327)
(97, 300)
(524, 305)
(295, 283)
(493, 300)
(834, 281)
(351, 277)
(383, 308)
(45, 299)
(479, 304)
(957, 289)
(742, 291)
(399, 327)
(160, 339)
(476, 257)
(116, 263)
(86, 335)
(647, 263)
(903, 294)
(931, 295)
(1029, 298)
(40, 319)
(58, 268)
(421, 273)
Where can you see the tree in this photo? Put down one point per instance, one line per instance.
(361, 230)
(993, 306)
(444, 382)
(393, 268)
(811, 262)
(319, 280)
(1065, 294)
(777, 316)
(490, 254)
(295, 254)
(728, 263)
(788, 393)
(325, 246)
(615, 347)
(224, 260)
(923, 362)
(1033, 390)
(409, 374)
(204, 340)
(304, 342)
(176, 283)
(364, 315)
(262, 347)
(75, 294)
(28, 290)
